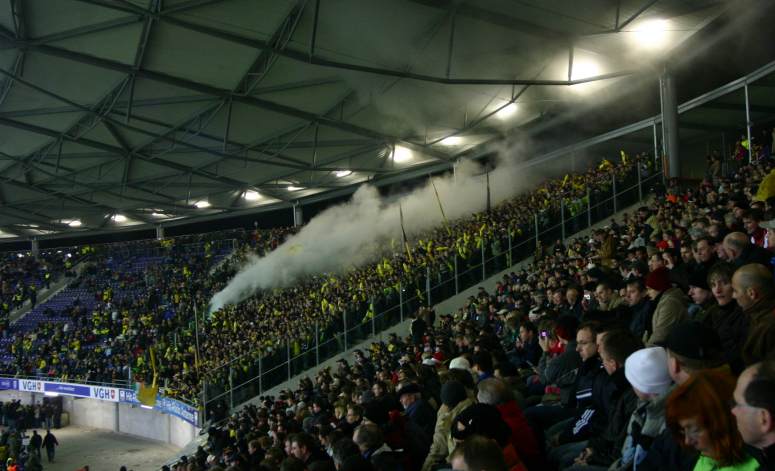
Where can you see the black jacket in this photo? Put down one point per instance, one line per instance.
(607, 446)
(666, 453)
(765, 457)
(593, 418)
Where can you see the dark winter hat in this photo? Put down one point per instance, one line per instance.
(696, 341)
(481, 419)
(659, 279)
(376, 412)
(452, 393)
(699, 278)
(411, 388)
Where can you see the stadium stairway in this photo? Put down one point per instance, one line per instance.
(46, 294)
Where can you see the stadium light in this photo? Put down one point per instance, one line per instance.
(158, 215)
(584, 68)
(452, 141)
(251, 195)
(652, 34)
(402, 154)
(73, 222)
(295, 188)
(343, 173)
(202, 204)
(507, 111)
(119, 218)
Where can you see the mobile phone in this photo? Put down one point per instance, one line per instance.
(587, 296)
(544, 333)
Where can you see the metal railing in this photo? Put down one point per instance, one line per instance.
(251, 375)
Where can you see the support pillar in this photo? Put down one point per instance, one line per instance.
(748, 123)
(670, 142)
(298, 215)
(159, 232)
(35, 247)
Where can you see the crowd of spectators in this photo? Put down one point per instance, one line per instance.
(23, 275)
(126, 309)
(128, 297)
(647, 345)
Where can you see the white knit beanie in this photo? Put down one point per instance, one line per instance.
(646, 370)
(460, 363)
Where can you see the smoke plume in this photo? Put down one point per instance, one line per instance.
(354, 233)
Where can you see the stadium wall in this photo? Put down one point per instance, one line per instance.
(118, 418)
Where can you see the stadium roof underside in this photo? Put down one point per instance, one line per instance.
(123, 112)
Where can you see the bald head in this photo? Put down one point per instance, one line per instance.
(735, 243)
(752, 283)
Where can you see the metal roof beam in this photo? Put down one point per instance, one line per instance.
(222, 93)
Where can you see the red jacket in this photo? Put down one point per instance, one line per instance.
(522, 437)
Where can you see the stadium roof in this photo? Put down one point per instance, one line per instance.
(123, 112)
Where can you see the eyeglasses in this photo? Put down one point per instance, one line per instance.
(692, 433)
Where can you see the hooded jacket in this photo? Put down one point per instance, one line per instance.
(671, 310)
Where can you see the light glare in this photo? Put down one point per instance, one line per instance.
(119, 218)
(652, 34)
(343, 173)
(251, 195)
(202, 204)
(452, 141)
(402, 154)
(507, 111)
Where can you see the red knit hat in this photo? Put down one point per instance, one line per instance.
(659, 279)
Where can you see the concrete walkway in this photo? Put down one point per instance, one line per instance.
(105, 451)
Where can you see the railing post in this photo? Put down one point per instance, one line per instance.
(428, 284)
(589, 208)
(535, 219)
(640, 181)
(288, 350)
(484, 261)
(457, 282)
(317, 342)
(562, 218)
(344, 321)
(204, 401)
(509, 257)
(260, 373)
(231, 388)
(373, 318)
(401, 300)
(613, 187)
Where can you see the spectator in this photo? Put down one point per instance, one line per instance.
(700, 294)
(602, 450)
(607, 298)
(478, 453)
(527, 352)
(754, 410)
(671, 306)
(496, 392)
(417, 410)
(50, 443)
(304, 449)
(485, 420)
(640, 306)
(560, 371)
(698, 415)
(740, 251)
(454, 400)
(646, 370)
(372, 445)
(754, 291)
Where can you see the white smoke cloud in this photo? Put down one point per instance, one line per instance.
(354, 233)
